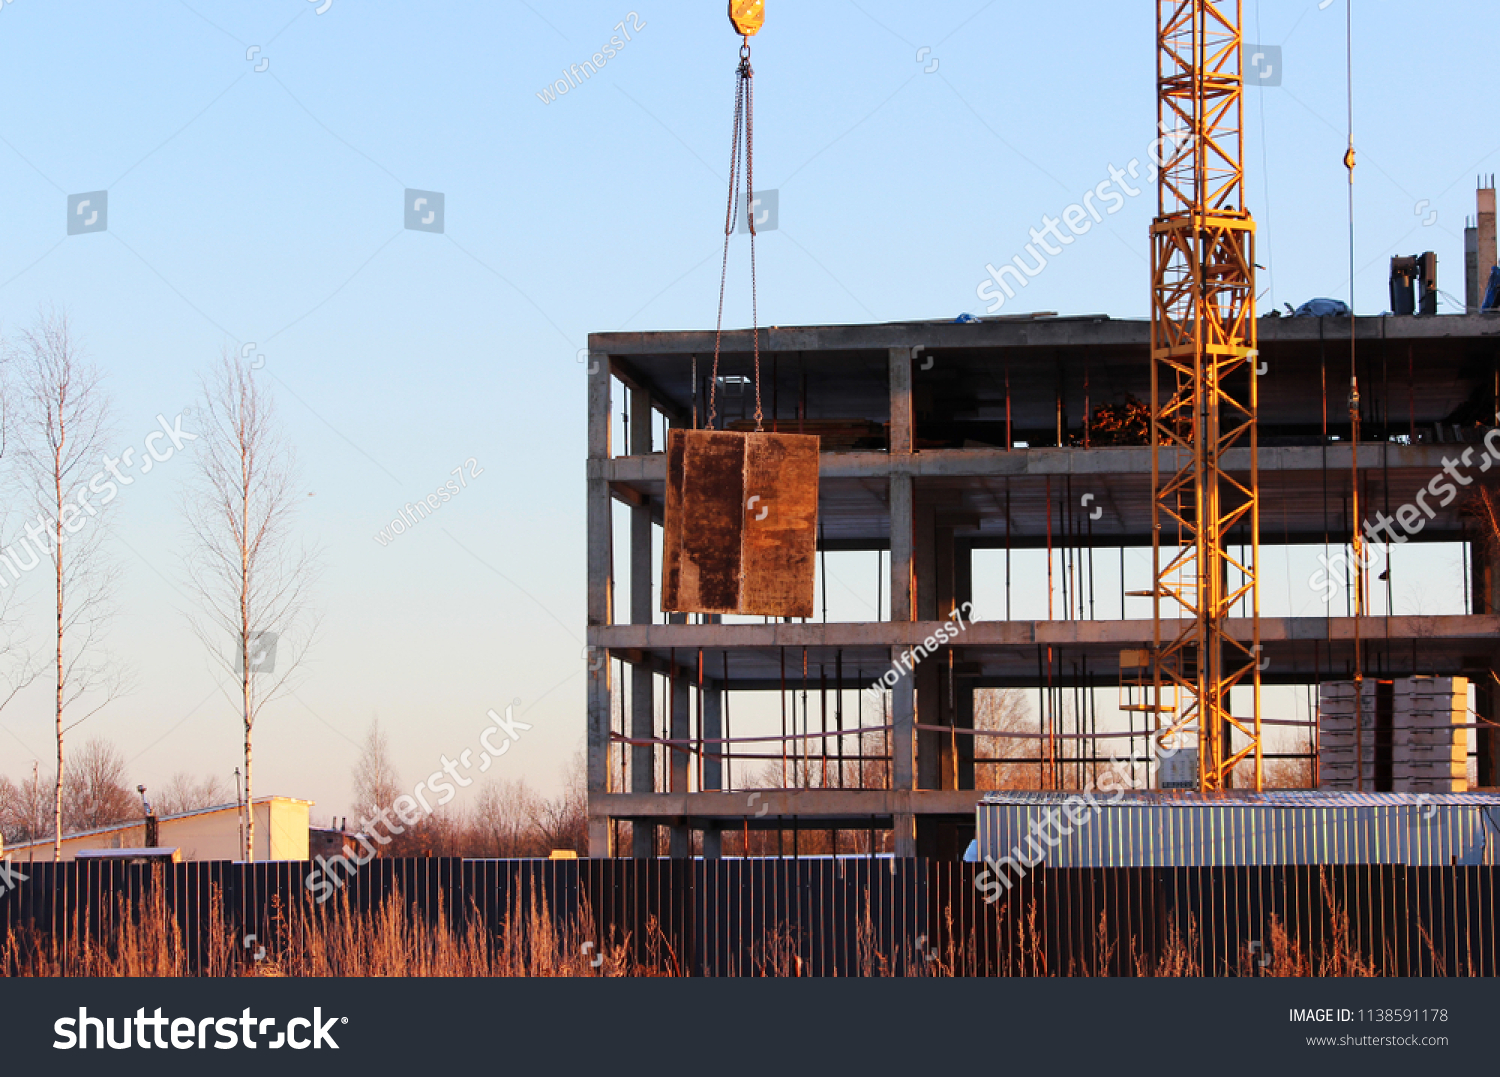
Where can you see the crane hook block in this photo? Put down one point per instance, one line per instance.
(747, 15)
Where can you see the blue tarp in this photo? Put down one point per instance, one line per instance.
(1492, 293)
(1322, 308)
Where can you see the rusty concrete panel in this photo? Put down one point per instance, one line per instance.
(703, 536)
(781, 526)
(741, 523)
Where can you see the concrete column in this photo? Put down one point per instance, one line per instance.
(901, 486)
(680, 842)
(930, 746)
(905, 834)
(1484, 574)
(963, 718)
(901, 434)
(713, 765)
(903, 715)
(642, 611)
(1473, 292)
(1486, 235)
(901, 548)
(904, 694)
(598, 750)
(924, 608)
(925, 558)
(599, 595)
(936, 767)
(713, 728)
(963, 687)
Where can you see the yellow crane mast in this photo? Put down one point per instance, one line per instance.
(1203, 394)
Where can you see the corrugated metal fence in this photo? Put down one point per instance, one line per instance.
(852, 916)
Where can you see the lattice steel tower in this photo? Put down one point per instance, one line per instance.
(1203, 393)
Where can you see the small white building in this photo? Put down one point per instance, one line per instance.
(206, 834)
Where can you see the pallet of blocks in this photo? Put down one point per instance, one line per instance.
(1339, 740)
(1411, 735)
(1430, 742)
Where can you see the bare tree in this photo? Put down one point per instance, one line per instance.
(500, 819)
(95, 793)
(185, 793)
(26, 808)
(62, 426)
(376, 784)
(251, 576)
(1282, 773)
(563, 820)
(1005, 710)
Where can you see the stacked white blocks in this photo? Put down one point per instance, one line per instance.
(1337, 741)
(1429, 737)
(1430, 747)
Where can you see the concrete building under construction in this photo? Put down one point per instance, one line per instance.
(940, 439)
(1204, 432)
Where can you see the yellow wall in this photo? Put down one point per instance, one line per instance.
(280, 834)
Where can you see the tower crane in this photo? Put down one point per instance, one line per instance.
(1204, 366)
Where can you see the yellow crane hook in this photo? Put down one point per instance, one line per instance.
(747, 15)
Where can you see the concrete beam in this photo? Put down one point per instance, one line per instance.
(896, 635)
(802, 803)
(1125, 461)
(1022, 331)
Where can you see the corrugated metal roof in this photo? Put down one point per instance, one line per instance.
(1282, 827)
(1271, 798)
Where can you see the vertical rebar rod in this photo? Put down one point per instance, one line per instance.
(838, 687)
(782, 693)
(1049, 548)
(823, 724)
(1010, 442)
(727, 747)
(806, 747)
(1007, 549)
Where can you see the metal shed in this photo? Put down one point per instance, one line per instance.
(1153, 829)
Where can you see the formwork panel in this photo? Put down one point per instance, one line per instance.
(741, 523)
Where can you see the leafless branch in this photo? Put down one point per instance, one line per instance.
(62, 423)
(251, 575)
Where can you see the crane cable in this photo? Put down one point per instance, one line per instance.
(1356, 543)
(744, 120)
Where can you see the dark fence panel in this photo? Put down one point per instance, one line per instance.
(830, 917)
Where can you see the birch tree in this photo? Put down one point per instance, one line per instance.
(62, 424)
(376, 783)
(251, 575)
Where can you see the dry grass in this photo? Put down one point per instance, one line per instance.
(129, 940)
(398, 940)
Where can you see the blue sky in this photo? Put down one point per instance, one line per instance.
(265, 206)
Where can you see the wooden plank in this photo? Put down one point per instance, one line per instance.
(741, 523)
(781, 528)
(702, 555)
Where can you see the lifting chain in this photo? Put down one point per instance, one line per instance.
(744, 121)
